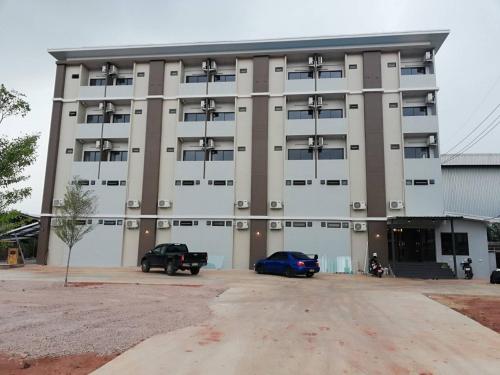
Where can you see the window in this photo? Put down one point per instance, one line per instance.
(83, 182)
(219, 182)
(299, 224)
(415, 111)
(186, 223)
(187, 183)
(224, 78)
(123, 81)
(194, 117)
(300, 75)
(299, 182)
(121, 118)
(75, 76)
(193, 155)
(91, 155)
(118, 155)
(72, 113)
(300, 154)
(334, 225)
(218, 223)
(330, 74)
(461, 244)
(353, 66)
(95, 119)
(223, 116)
(221, 155)
(196, 78)
(330, 113)
(416, 152)
(330, 153)
(97, 82)
(333, 182)
(109, 222)
(412, 71)
(301, 114)
(420, 182)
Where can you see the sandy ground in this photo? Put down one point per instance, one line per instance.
(483, 309)
(273, 325)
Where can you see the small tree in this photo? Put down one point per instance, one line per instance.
(78, 205)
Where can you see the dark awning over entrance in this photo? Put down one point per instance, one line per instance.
(418, 221)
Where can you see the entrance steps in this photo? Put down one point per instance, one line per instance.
(423, 270)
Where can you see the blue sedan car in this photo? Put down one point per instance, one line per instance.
(288, 263)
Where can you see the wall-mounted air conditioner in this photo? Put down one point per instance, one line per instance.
(113, 70)
(110, 107)
(207, 105)
(315, 61)
(163, 224)
(101, 106)
(104, 68)
(396, 205)
(209, 65)
(276, 205)
(310, 102)
(57, 203)
(431, 140)
(428, 56)
(359, 226)
(132, 224)
(242, 204)
(242, 224)
(163, 203)
(107, 145)
(275, 225)
(133, 203)
(210, 143)
(310, 142)
(321, 141)
(430, 98)
(359, 205)
(319, 101)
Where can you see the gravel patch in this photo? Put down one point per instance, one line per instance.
(39, 319)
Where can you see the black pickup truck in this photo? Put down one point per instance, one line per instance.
(173, 257)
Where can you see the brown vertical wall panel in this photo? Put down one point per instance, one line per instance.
(152, 150)
(258, 197)
(51, 166)
(374, 151)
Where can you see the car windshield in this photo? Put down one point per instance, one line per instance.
(299, 255)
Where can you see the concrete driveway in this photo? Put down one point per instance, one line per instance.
(326, 325)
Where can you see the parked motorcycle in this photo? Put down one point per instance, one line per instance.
(466, 266)
(375, 268)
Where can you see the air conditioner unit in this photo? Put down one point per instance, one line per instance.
(55, 222)
(319, 101)
(320, 142)
(207, 105)
(113, 70)
(276, 205)
(133, 204)
(311, 60)
(104, 68)
(315, 61)
(319, 60)
(431, 140)
(163, 224)
(107, 145)
(210, 143)
(359, 226)
(98, 144)
(428, 56)
(359, 205)
(310, 142)
(310, 102)
(57, 203)
(242, 204)
(430, 98)
(110, 107)
(396, 205)
(201, 143)
(164, 203)
(209, 65)
(275, 225)
(241, 224)
(132, 224)
(101, 106)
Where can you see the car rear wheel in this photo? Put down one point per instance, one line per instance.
(195, 270)
(289, 272)
(145, 266)
(309, 274)
(170, 269)
(259, 269)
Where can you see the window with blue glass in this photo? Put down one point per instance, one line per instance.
(121, 118)
(123, 81)
(95, 119)
(300, 75)
(118, 156)
(224, 78)
(223, 116)
(415, 111)
(221, 155)
(330, 74)
(301, 114)
(300, 154)
(91, 155)
(193, 155)
(194, 117)
(413, 71)
(330, 113)
(417, 152)
(330, 153)
(97, 82)
(199, 78)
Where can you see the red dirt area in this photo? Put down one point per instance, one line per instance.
(483, 309)
(81, 364)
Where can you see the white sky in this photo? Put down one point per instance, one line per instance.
(467, 64)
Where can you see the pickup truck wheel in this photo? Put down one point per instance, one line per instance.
(145, 266)
(195, 270)
(170, 269)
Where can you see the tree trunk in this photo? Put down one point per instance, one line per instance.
(67, 267)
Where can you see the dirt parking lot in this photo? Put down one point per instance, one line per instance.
(44, 319)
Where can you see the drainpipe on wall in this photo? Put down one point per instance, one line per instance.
(453, 249)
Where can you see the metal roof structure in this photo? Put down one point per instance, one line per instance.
(482, 160)
(26, 231)
(432, 39)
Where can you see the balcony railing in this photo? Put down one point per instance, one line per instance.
(112, 92)
(195, 129)
(214, 88)
(109, 131)
(420, 124)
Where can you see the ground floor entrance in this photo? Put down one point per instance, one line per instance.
(412, 244)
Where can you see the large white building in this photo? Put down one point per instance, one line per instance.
(325, 145)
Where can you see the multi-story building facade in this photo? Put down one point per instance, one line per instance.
(324, 145)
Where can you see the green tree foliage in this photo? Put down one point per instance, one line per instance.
(15, 154)
(78, 205)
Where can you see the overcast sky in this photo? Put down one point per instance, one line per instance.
(467, 65)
